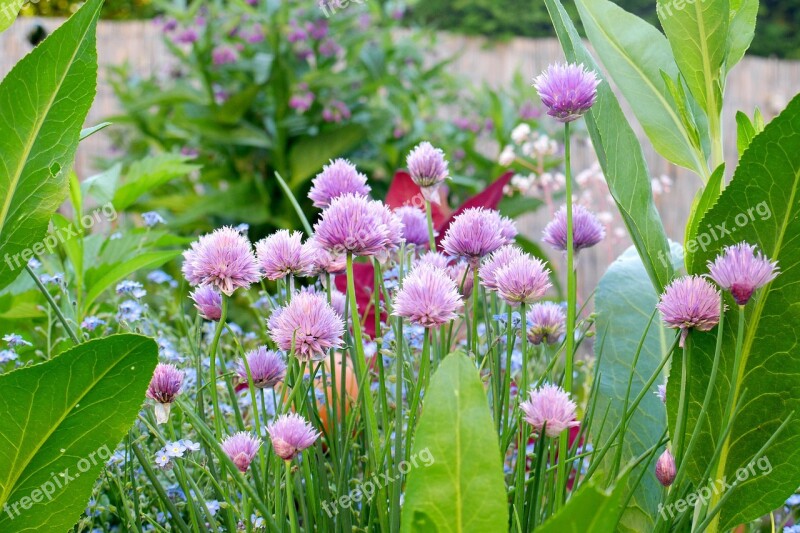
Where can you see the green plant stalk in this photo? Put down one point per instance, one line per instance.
(424, 369)
(213, 370)
(429, 216)
(522, 446)
(572, 306)
(148, 470)
(683, 402)
(736, 379)
(398, 424)
(475, 291)
(290, 497)
(53, 304)
(360, 364)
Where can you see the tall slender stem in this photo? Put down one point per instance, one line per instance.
(475, 288)
(213, 367)
(53, 304)
(429, 215)
(680, 422)
(522, 446)
(290, 497)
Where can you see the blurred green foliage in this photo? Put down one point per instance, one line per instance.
(112, 9)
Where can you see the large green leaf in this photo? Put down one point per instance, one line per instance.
(590, 510)
(761, 206)
(621, 158)
(624, 303)
(635, 54)
(462, 489)
(741, 30)
(62, 420)
(698, 34)
(43, 103)
(8, 12)
(310, 153)
(705, 198)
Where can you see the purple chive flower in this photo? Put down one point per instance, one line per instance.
(322, 261)
(665, 469)
(186, 36)
(429, 297)
(165, 385)
(338, 301)
(741, 269)
(290, 435)
(301, 102)
(428, 169)
(394, 230)
(282, 254)
(241, 448)
(522, 280)
(499, 258)
(549, 407)
(208, 302)
(436, 259)
(307, 323)
(266, 367)
(338, 178)
(223, 259)
(690, 302)
(329, 48)
(461, 274)
(353, 224)
(545, 323)
(475, 233)
(224, 55)
(567, 90)
(415, 225)
(586, 229)
(336, 111)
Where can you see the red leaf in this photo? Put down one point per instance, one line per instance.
(403, 191)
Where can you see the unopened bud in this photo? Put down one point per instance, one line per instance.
(665, 468)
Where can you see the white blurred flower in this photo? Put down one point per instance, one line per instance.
(507, 156)
(521, 133)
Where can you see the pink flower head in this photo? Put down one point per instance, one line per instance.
(266, 367)
(741, 269)
(321, 260)
(415, 225)
(428, 297)
(665, 469)
(164, 387)
(308, 324)
(499, 258)
(290, 435)
(567, 90)
(338, 301)
(436, 259)
(338, 178)
(522, 280)
(549, 407)
(208, 302)
(282, 254)
(461, 274)
(394, 230)
(223, 55)
(223, 259)
(242, 449)
(545, 323)
(475, 233)
(428, 169)
(690, 302)
(586, 229)
(353, 224)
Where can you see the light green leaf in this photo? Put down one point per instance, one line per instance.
(624, 304)
(9, 12)
(101, 278)
(59, 429)
(102, 187)
(310, 153)
(698, 34)
(702, 203)
(741, 30)
(761, 206)
(745, 131)
(88, 132)
(635, 54)
(150, 173)
(461, 487)
(43, 103)
(621, 159)
(589, 510)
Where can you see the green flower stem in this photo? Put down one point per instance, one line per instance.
(475, 288)
(572, 306)
(53, 304)
(360, 363)
(290, 497)
(429, 215)
(398, 424)
(683, 405)
(422, 381)
(213, 371)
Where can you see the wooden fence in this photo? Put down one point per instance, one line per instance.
(766, 83)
